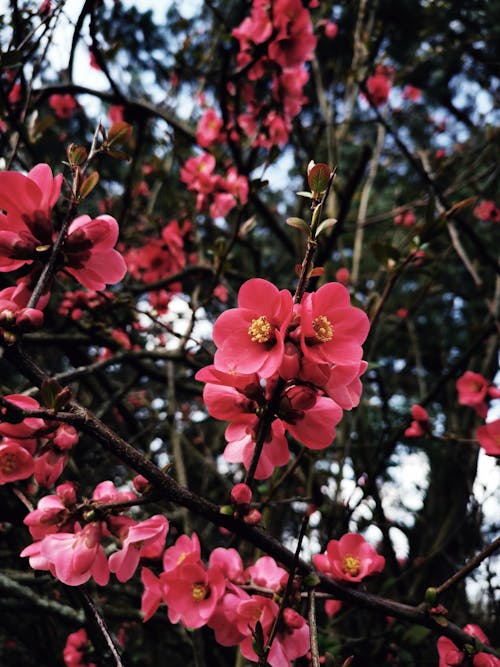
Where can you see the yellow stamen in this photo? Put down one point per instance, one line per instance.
(260, 331)
(8, 463)
(351, 565)
(199, 592)
(323, 329)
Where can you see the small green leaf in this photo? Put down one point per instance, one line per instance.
(303, 193)
(325, 224)
(88, 185)
(298, 223)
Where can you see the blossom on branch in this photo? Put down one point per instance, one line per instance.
(351, 558)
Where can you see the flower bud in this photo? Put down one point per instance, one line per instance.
(241, 494)
(28, 319)
(253, 517)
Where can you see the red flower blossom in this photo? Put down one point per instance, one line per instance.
(63, 105)
(379, 84)
(488, 436)
(487, 210)
(331, 330)
(90, 254)
(351, 558)
(450, 655)
(250, 338)
(420, 424)
(474, 390)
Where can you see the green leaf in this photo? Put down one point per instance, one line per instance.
(325, 224)
(88, 185)
(303, 193)
(298, 223)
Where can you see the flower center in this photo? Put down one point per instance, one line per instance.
(260, 331)
(323, 329)
(8, 463)
(350, 565)
(199, 592)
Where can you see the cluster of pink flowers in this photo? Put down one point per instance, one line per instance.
(69, 536)
(214, 192)
(75, 304)
(197, 595)
(160, 258)
(313, 349)
(27, 233)
(450, 655)
(275, 43)
(33, 446)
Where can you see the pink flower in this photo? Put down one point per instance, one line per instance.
(487, 210)
(488, 436)
(185, 549)
(208, 128)
(331, 330)
(222, 619)
(63, 105)
(51, 514)
(89, 248)
(28, 428)
(379, 85)
(75, 557)
(344, 384)
(267, 573)
(152, 595)
(74, 653)
(28, 202)
(473, 390)
(139, 537)
(450, 655)
(295, 41)
(420, 424)
(412, 93)
(240, 436)
(192, 593)
(351, 558)
(310, 418)
(15, 463)
(250, 338)
(229, 562)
